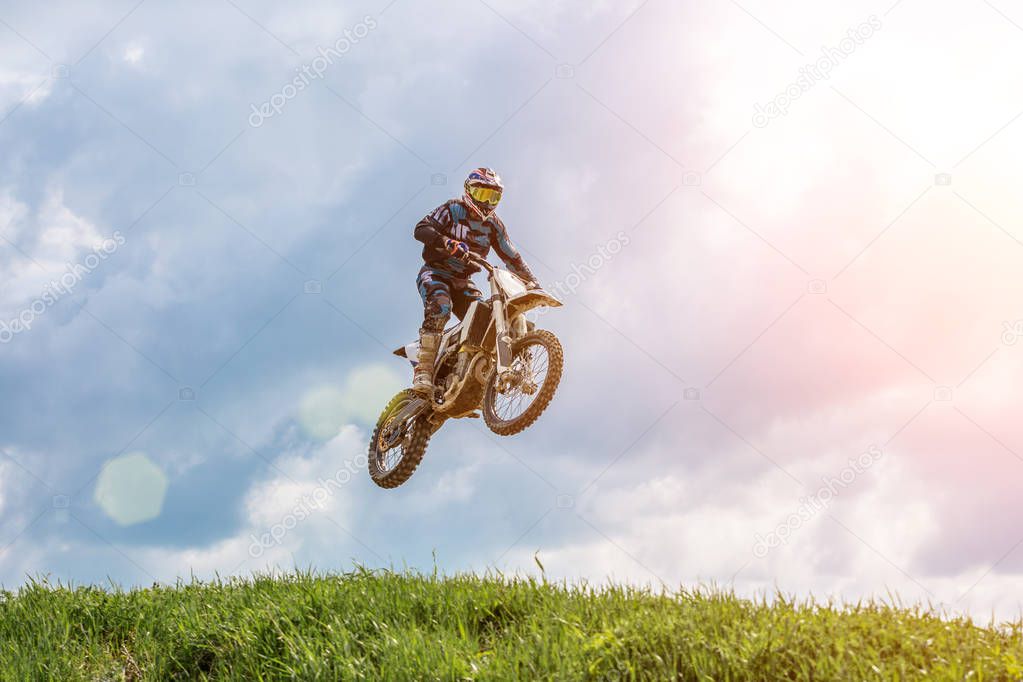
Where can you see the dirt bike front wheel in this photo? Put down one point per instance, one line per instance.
(395, 450)
(513, 402)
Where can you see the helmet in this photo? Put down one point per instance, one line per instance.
(483, 191)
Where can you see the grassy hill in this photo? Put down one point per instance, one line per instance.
(371, 625)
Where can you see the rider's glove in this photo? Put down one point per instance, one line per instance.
(456, 248)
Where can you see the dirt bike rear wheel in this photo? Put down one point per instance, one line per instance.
(537, 364)
(393, 460)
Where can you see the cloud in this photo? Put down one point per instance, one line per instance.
(24, 78)
(49, 238)
(666, 531)
(134, 53)
(287, 516)
(325, 410)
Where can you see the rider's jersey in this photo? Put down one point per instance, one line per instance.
(452, 219)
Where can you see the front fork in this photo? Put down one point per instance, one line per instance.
(503, 342)
(506, 333)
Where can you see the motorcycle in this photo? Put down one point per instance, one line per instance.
(493, 361)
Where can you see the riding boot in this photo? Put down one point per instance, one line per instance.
(422, 380)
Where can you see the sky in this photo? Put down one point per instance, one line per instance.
(787, 238)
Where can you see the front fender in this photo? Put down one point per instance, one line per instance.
(534, 298)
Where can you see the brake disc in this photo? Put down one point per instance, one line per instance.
(390, 435)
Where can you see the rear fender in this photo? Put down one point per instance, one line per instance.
(409, 351)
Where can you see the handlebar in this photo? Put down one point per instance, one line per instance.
(480, 261)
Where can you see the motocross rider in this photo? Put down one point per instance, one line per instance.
(450, 232)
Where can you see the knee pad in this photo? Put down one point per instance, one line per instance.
(438, 312)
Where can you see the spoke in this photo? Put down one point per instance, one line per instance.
(389, 459)
(538, 379)
(509, 408)
(531, 365)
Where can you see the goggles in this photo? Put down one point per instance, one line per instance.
(485, 195)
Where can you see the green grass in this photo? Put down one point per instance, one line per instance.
(382, 625)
